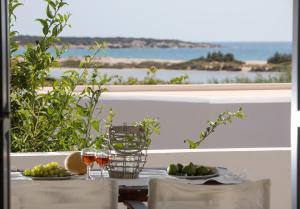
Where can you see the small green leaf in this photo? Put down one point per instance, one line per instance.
(81, 110)
(211, 123)
(202, 134)
(52, 4)
(45, 25)
(61, 18)
(240, 115)
(43, 22)
(191, 143)
(61, 4)
(55, 31)
(45, 30)
(49, 13)
(96, 125)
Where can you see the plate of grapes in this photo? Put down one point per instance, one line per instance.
(50, 171)
(192, 171)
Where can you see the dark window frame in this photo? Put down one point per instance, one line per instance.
(4, 107)
(295, 109)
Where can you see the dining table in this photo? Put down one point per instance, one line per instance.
(137, 189)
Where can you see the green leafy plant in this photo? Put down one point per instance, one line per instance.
(37, 116)
(88, 105)
(30, 68)
(179, 80)
(150, 126)
(151, 76)
(12, 6)
(149, 79)
(52, 120)
(223, 119)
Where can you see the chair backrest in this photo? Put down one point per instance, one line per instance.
(64, 194)
(171, 194)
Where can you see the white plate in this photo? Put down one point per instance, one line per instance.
(50, 178)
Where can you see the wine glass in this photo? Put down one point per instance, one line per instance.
(88, 157)
(102, 158)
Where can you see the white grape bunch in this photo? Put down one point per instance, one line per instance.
(52, 169)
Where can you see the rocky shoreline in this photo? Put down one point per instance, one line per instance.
(120, 63)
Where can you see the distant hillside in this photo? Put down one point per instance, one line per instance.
(120, 42)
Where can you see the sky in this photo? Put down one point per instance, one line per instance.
(189, 20)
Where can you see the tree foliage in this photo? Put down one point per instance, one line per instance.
(219, 57)
(279, 58)
(59, 119)
(149, 79)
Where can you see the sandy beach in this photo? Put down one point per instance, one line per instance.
(137, 63)
(112, 60)
(255, 62)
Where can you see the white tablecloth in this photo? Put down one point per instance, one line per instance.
(225, 177)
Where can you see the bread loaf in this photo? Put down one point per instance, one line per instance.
(74, 164)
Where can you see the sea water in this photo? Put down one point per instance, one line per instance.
(195, 76)
(241, 50)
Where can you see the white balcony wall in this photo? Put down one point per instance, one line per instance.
(184, 114)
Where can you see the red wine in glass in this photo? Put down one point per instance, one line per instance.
(102, 159)
(88, 157)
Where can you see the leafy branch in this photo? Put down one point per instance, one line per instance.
(12, 6)
(30, 69)
(223, 119)
(150, 126)
(89, 100)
